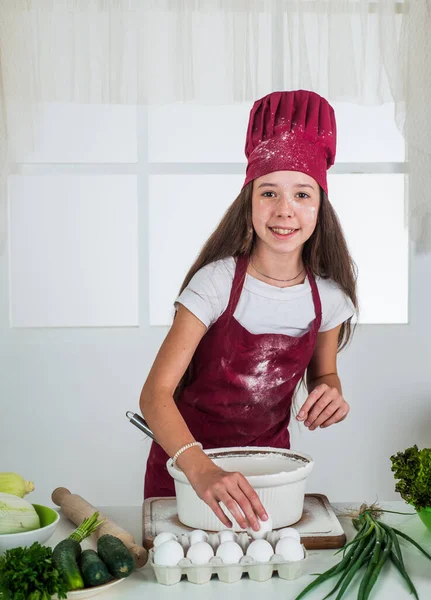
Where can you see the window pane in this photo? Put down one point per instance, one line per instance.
(371, 211)
(73, 249)
(183, 211)
(79, 133)
(192, 133)
(367, 134)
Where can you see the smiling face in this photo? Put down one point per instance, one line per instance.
(285, 205)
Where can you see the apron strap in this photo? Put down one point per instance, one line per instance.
(237, 285)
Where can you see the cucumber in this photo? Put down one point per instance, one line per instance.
(65, 558)
(94, 571)
(115, 555)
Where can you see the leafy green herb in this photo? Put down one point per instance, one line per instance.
(413, 470)
(29, 574)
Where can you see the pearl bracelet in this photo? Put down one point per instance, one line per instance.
(183, 449)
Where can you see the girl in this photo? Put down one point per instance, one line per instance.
(268, 301)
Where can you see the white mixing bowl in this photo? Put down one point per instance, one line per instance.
(278, 476)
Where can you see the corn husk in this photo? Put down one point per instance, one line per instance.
(12, 483)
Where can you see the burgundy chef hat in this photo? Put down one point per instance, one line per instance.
(291, 131)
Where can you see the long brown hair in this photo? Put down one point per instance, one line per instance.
(325, 252)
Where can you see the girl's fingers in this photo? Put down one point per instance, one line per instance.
(328, 397)
(246, 507)
(217, 510)
(233, 508)
(253, 498)
(338, 416)
(237, 495)
(313, 397)
(326, 414)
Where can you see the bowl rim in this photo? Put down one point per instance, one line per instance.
(23, 534)
(299, 473)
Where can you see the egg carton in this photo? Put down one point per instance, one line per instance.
(257, 571)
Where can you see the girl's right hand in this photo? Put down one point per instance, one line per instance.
(214, 485)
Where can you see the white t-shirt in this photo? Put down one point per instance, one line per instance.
(263, 308)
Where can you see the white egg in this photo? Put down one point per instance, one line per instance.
(200, 553)
(230, 552)
(197, 535)
(290, 549)
(163, 537)
(265, 526)
(226, 535)
(289, 532)
(260, 550)
(168, 554)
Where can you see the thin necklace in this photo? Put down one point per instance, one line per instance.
(274, 278)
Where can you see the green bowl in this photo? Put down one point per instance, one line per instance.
(47, 515)
(425, 516)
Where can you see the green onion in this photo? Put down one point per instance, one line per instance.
(372, 563)
(87, 527)
(382, 558)
(355, 564)
(374, 544)
(404, 573)
(409, 539)
(360, 537)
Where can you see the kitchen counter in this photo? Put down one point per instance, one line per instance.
(390, 586)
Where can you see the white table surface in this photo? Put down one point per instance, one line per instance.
(142, 583)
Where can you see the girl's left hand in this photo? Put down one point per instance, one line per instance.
(323, 407)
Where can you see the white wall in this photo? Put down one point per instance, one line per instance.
(64, 394)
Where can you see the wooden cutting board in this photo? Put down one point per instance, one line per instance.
(318, 526)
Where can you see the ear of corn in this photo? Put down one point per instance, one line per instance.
(12, 483)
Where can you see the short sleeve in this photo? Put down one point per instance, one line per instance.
(336, 305)
(203, 296)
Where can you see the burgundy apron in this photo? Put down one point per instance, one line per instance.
(242, 388)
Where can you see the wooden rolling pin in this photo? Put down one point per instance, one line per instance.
(77, 509)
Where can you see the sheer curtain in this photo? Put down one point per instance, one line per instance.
(218, 52)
